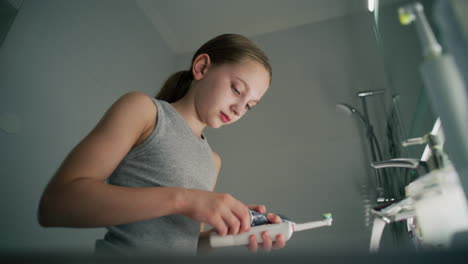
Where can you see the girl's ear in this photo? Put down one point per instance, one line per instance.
(200, 66)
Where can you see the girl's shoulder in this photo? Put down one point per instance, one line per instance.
(123, 125)
(138, 98)
(143, 107)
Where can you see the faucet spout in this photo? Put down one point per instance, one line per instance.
(419, 165)
(401, 210)
(402, 163)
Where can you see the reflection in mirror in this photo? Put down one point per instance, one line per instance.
(408, 112)
(425, 81)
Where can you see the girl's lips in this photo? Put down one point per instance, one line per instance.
(225, 118)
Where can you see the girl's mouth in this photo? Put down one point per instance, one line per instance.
(225, 118)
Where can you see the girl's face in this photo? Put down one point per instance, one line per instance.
(226, 92)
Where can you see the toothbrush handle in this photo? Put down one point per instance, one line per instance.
(284, 228)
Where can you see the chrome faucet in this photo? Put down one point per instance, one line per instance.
(395, 212)
(438, 158)
(420, 166)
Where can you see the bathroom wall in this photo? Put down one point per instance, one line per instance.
(61, 66)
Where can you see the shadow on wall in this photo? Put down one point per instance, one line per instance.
(7, 15)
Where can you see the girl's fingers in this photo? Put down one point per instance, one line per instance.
(274, 218)
(279, 242)
(232, 223)
(266, 241)
(257, 207)
(244, 218)
(253, 246)
(220, 226)
(267, 244)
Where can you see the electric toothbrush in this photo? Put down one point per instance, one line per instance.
(286, 228)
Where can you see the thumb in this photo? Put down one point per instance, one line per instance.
(257, 207)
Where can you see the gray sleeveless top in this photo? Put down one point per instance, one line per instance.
(171, 156)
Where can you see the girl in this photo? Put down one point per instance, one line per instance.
(159, 168)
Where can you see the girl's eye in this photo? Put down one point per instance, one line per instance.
(235, 90)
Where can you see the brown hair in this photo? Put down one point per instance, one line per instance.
(226, 48)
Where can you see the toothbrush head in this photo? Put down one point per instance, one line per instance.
(405, 17)
(327, 216)
(407, 13)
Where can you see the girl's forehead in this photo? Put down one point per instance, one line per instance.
(247, 63)
(251, 73)
(247, 69)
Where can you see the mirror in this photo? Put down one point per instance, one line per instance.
(402, 54)
(409, 113)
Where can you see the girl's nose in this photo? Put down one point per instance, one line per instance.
(235, 109)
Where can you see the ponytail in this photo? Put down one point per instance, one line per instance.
(175, 87)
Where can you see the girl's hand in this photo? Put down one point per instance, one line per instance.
(222, 211)
(267, 244)
(257, 207)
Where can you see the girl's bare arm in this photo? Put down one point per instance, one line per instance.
(77, 195)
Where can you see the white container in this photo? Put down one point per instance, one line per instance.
(440, 206)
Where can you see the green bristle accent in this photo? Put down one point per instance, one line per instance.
(327, 216)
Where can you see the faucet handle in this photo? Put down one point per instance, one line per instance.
(438, 158)
(414, 141)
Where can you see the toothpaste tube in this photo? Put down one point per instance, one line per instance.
(257, 218)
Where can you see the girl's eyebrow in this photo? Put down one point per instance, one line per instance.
(247, 86)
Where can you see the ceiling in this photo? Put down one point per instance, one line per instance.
(186, 24)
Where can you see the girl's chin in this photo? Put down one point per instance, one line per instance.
(216, 125)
